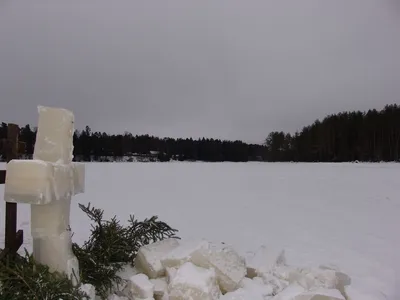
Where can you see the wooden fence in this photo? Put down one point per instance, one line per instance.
(11, 148)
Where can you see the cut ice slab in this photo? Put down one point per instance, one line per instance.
(289, 292)
(280, 277)
(242, 294)
(264, 260)
(170, 273)
(183, 253)
(40, 182)
(160, 287)
(308, 278)
(229, 266)
(320, 294)
(195, 283)
(352, 293)
(276, 283)
(257, 287)
(313, 278)
(342, 279)
(297, 292)
(148, 259)
(139, 287)
(287, 273)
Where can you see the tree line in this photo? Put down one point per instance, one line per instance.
(346, 136)
(100, 146)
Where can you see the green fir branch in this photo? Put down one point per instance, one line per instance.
(108, 249)
(23, 278)
(111, 246)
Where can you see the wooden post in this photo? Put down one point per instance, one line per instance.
(11, 208)
(13, 239)
(2, 176)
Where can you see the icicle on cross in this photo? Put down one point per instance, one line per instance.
(47, 183)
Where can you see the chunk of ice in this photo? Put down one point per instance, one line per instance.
(257, 287)
(264, 260)
(242, 294)
(228, 264)
(353, 293)
(320, 294)
(148, 259)
(139, 287)
(314, 278)
(160, 286)
(343, 279)
(276, 283)
(289, 292)
(170, 273)
(287, 273)
(195, 283)
(183, 253)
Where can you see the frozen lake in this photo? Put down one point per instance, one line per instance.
(344, 214)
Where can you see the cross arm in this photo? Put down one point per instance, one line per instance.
(39, 182)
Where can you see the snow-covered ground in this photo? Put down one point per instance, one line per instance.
(342, 214)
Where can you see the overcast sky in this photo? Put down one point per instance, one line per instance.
(227, 69)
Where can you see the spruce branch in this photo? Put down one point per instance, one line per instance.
(23, 278)
(111, 246)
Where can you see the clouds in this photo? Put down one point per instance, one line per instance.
(229, 69)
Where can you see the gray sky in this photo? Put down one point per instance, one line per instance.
(227, 69)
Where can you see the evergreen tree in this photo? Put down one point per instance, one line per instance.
(346, 136)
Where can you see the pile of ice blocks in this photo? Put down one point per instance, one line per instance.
(201, 270)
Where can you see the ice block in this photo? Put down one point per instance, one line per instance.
(54, 139)
(40, 182)
(195, 283)
(148, 259)
(229, 266)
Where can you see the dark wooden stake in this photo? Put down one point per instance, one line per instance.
(2, 176)
(13, 239)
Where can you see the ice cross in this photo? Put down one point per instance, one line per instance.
(47, 183)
